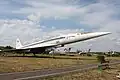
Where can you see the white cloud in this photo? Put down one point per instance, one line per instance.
(49, 9)
(11, 29)
(34, 17)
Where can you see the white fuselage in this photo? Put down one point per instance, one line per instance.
(65, 39)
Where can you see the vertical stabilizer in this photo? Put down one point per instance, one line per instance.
(18, 44)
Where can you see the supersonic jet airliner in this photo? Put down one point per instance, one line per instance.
(50, 44)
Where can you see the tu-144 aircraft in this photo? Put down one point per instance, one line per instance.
(60, 41)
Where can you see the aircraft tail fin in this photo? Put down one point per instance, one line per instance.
(18, 44)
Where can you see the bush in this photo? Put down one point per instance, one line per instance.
(89, 55)
(101, 58)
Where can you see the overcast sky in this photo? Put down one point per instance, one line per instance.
(32, 20)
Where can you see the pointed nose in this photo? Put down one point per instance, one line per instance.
(102, 33)
(98, 34)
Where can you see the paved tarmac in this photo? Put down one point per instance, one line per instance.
(31, 75)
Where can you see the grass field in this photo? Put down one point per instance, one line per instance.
(17, 63)
(28, 63)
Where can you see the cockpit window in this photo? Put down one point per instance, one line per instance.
(85, 32)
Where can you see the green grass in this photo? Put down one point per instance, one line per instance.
(113, 58)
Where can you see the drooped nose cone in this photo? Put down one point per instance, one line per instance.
(102, 33)
(98, 34)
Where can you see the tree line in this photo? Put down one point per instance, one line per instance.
(6, 47)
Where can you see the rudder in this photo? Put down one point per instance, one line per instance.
(18, 44)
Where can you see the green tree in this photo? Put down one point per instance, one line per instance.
(8, 47)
